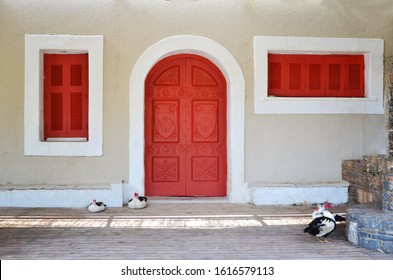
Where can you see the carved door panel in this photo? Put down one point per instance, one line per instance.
(185, 128)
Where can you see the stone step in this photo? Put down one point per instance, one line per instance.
(369, 227)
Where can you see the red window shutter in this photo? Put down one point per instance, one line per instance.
(276, 74)
(295, 76)
(355, 76)
(65, 96)
(76, 111)
(56, 72)
(335, 79)
(56, 111)
(316, 75)
(346, 76)
(335, 70)
(76, 75)
(295, 84)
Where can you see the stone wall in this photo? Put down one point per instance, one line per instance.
(387, 200)
(371, 180)
(389, 93)
(365, 177)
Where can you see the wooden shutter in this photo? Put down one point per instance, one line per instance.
(355, 75)
(302, 75)
(335, 71)
(295, 84)
(276, 75)
(65, 96)
(315, 76)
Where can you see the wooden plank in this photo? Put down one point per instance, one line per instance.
(171, 231)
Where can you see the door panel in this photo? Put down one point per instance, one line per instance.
(185, 128)
(166, 125)
(204, 121)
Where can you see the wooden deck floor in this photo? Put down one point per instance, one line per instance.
(171, 231)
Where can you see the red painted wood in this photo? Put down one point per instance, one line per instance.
(185, 128)
(277, 75)
(315, 76)
(305, 75)
(355, 75)
(296, 78)
(65, 95)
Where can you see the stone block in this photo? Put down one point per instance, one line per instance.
(352, 232)
(387, 201)
(386, 246)
(370, 228)
(368, 243)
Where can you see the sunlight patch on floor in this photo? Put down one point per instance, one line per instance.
(288, 221)
(53, 223)
(185, 223)
(154, 222)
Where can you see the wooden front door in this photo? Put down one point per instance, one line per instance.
(185, 128)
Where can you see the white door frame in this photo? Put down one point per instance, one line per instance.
(237, 189)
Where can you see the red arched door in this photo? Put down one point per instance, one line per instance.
(185, 128)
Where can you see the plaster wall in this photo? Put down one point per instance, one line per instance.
(278, 148)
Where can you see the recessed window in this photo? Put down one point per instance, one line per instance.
(308, 75)
(302, 75)
(63, 95)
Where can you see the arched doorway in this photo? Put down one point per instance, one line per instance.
(237, 189)
(185, 128)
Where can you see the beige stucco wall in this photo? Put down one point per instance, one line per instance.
(278, 148)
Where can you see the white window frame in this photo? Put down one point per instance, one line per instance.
(372, 49)
(35, 47)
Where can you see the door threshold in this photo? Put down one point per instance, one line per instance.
(185, 199)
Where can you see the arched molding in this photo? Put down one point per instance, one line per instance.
(221, 57)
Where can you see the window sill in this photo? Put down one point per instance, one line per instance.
(39, 148)
(66, 140)
(327, 105)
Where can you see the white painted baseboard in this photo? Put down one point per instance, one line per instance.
(61, 196)
(116, 195)
(289, 194)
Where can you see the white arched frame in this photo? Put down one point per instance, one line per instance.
(237, 189)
